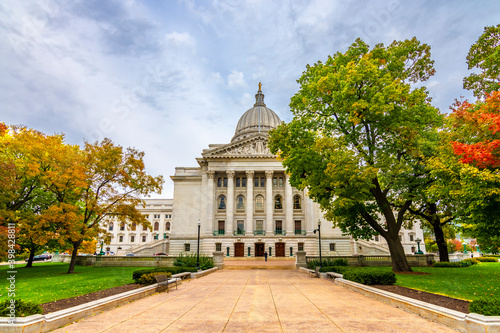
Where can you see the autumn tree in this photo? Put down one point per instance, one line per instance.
(355, 134)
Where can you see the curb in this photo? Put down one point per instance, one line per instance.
(43, 323)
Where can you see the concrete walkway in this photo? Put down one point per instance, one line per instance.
(256, 301)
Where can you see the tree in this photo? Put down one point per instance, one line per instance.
(355, 134)
(484, 54)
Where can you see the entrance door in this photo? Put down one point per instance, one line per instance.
(280, 249)
(239, 249)
(259, 249)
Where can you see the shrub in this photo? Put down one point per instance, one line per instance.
(486, 259)
(469, 262)
(23, 308)
(327, 263)
(189, 260)
(147, 279)
(486, 306)
(448, 264)
(370, 276)
(335, 269)
(136, 275)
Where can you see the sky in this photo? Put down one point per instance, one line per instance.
(171, 77)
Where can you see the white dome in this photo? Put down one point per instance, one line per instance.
(257, 119)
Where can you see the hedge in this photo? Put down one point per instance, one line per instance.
(136, 275)
(312, 264)
(486, 259)
(370, 276)
(22, 308)
(147, 279)
(456, 264)
(486, 306)
(335, 269)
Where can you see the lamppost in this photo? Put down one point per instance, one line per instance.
(198, 248)
(465, 247)
(102, 245)
(418, 240)
(319, 235)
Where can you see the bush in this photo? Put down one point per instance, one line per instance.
(486, 259)
(486, 306)
(457, 264)
(147, 279)
(469, 262)
(370, 276)
(335, 269)
(23, 308)
(312, 264)
(136, 275)
(189, 260)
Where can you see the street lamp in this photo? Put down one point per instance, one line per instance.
(198, 248)
(465, 247)
(418, 240)
(319, 235)
(102, 245)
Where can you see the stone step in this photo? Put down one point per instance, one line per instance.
(248, 267)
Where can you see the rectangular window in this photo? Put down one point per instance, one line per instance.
(411, 238)
(332, 246)
(298, 227)
(262, 182)
(222, 224)
(376, 238)
(275, 181)
(146, 216)
(222, 182)
(280, 181)
(122, 227)
(144, 228)
(259, 225)
(132, 239)
(279, 226)
(240, 227)
(218, 247)
(238, 182)
(243, 182)
(187, 247)
(225, 182)
(144, 239)
(111, 226)
(300, 246)
(120, 239)
(413, 249)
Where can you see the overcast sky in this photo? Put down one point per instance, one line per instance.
(171, 77)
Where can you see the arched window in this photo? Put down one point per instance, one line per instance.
(222, 202)
(240, 202)
(157, 226)
(111, 226)
(167, 226)
(297, 204)
(259, 202)
(278, 202)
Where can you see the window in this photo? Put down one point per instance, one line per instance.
(111, 226)
(134, 226)
(259, 182)
(279, 227)
(222, 202)
(376, 238)
(168, 216)
(146, 216)
(300, 246)
(259, 202)
(222, 182)
(278, 204)
(411, 238)
(167, 226)
(413, 249)
(157, 226)
(132, 239)
(240, 227)
(240, 202)
(120, 239)
(144, 239)
(156, 216)
(187, 247)
(218, 247)
(400, 238)
(259, 225)
(298, 227)
(278, 181)
(241, 182)
(144, 228)
(222, 227)
(122, 227)
(297, 204)
(332, 246)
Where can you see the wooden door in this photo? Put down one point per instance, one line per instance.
(239, 249)
(280, 249)
(259, 249)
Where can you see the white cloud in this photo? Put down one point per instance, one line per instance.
(235, 79)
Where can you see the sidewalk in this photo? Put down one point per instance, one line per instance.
(256, 301)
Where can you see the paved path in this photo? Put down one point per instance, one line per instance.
(256, 301)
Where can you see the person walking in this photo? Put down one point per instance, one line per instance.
(265, 256)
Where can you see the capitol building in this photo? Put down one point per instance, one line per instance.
(240, 197)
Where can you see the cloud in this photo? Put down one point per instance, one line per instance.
(235, 79)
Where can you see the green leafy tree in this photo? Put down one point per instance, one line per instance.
(484, 54)
(355, 134)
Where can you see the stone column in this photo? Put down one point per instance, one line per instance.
(288, 207)
(269, 203)
(209, 225)
(249, 222)
(230, 202)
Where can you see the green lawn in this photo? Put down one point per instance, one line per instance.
(468, 283)
(47, 282)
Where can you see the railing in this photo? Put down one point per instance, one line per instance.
(238, 232)
(280, 232)
(376, 260)
(219, 232)
(259, 232)
(300, 232)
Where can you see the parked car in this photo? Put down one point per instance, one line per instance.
(160, 254)
(41, 257)
(130, 255)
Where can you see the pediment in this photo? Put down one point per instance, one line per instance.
(255, 147)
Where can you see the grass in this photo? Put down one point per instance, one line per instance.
(47, 282)
(467, 283)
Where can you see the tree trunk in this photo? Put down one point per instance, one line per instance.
(30, 260)
(76, 245)
(440, 241)
(398, 256)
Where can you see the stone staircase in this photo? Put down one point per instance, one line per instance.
(371, 248)
(272, 263)
(149, 249)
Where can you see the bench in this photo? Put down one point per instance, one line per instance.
(162, 281)
(182, 276)
(314, 273)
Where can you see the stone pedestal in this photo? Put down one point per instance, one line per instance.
(218, 259)
(300, 259)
